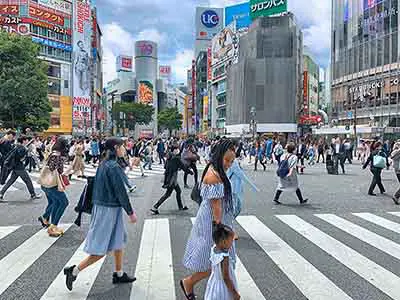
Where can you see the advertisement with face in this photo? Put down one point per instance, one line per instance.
(145, 92)
(225, 45)
(209, 21)
(81, 62)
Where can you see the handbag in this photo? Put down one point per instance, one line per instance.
(48, 178)
(195, 195)
(379, 162)
(62, 183)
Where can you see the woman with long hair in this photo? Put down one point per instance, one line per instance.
(217, 207)
(57, 200)
(377, 160)
(107, 232)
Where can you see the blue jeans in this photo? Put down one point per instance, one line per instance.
(148, 162)
(57, 203)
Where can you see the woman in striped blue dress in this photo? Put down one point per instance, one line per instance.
(216, 208)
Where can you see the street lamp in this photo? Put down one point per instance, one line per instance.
(253, 123)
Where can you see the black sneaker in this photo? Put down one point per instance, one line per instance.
(184, 208)
(304, 201)
(1, 197)
(395, 200)
(123, 279)
(155, 211)
(70, 278)
(36, 196)
(277, 202)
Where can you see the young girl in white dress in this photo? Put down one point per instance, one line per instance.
(222, 284)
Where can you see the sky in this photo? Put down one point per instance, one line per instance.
(170, 23)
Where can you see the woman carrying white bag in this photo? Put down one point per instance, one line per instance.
(53, 184)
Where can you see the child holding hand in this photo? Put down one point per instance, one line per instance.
(222, 284)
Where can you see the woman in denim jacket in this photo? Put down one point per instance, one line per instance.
(107, 232)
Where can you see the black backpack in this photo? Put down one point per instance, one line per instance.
(85, 204)
(283, 169)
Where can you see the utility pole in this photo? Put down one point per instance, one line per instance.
(253, 113)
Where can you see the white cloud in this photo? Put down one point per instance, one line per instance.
(152, 35)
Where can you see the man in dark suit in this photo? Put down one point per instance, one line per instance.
(301, 153)
(338, 153)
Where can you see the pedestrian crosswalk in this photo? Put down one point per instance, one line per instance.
(343, 242)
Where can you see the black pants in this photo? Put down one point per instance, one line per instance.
(397, 195)
(278, 159)
(261, 162)
(323, 157)
(14, 176)
(95, 158)
(161, 157)
(87, 156)
(29, 161)
(348, 156)
(195, 173)
(298, 193)
(338, 159)
(301, 159)
(376, 180)
(168, 194)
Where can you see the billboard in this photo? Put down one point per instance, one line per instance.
(145, 92)
(209, 64)
(46, 15)
(165, 71)
(239, 13)
(81, 61)
(209, 21)
(9, 9)
(264, 8)
(124, 63)
(21, 28)
(60, 5)
(145, 49)
(225, 45)
(371, 3)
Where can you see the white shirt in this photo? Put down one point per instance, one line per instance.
(337, 148)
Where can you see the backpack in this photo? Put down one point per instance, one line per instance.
(10, 159)
(85, 203)
(284, 168)
(278, 151)
(379, 161)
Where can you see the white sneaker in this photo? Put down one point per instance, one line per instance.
(132, 189)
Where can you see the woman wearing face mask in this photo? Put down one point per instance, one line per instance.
(172, 166)
(216, 208)
(377, 160)
(107, 232)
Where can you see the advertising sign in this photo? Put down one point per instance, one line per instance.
(239, 13)
(225, 45)
(305, 92)
(21, 29)
(371, 3)
(165, 71)
(6, 9)
(124, 63)
(53, 44)
(209, 21)
(145, 92)
(45, 15)
(22, 20)
(81, 62)
(209, 64)
(145, 48)
(263, 8)
(61, 5)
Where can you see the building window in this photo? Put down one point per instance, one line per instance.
(54, 71)
(54, 86)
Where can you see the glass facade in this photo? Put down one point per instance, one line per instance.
(365, 61)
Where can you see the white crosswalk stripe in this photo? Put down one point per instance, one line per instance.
(155, 266)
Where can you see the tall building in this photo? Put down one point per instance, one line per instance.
(201, 91)
(54, 25)
(310, 84)
(364, 58)
(267, 77)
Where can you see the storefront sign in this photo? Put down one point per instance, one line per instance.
(367, 87)
(145, 48)
(9, 9)
(53, 44)
(45, 15)
(263, 8)
(305, 92)
(19, 20)
(81, 108)
(11, 20)
(124, 63)
(21, 29)
(209, 63)
(165, 71)
(60, 5)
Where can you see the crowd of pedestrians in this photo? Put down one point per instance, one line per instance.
(210, 250)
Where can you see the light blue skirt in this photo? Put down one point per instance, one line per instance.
(107, 231)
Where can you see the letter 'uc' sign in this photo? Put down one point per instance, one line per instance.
(209, 18)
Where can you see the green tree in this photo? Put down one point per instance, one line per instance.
(135, 113)
(23, 84)
(170, 119)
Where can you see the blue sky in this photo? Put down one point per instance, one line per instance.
(170, 23)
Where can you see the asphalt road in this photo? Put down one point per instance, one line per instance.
(342, 245)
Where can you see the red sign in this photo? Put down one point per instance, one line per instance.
(94, 30)
(165, 70)
(81, 108)
(126, 62)
(46, 15)
(310, 120)
(83, 15)
(9, 9)
(305, 91)
(191, 106)
(209, 63)
(55, 28)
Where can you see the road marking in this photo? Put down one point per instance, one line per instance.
(154, 265)
(390, 225)
(22, 257)
(6, 230)
(376, 275)
(363, 234)
(83, 284)
(247, 287)
(311, 282)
